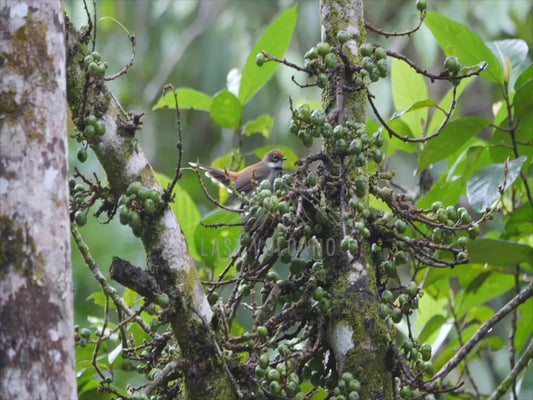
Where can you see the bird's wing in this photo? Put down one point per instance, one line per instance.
(246, 181)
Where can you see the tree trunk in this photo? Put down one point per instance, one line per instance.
(357, 335)
(37, 357)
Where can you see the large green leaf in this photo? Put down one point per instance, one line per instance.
(188, 99)
(275, 41)
(186, 212)
(483, 188)
(408, 89)
(499, 252)
(226, 110)
(520, 223)
(523, 329)
(493, 285)
(514, 50)
(438, 118)
(431, 329)
(401, 128)
(523, 101)
(527, 75)
(452, 137)
(263, 125)
(468, 46)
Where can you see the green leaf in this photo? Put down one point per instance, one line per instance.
(291, 155)
(188, 99)
(523, 101)
(431, 328)
(451, 139)
(226, 110)
(111, 357)
(522, 79)
(401, 128)
(523, 328)
(438, 118)
(130, 297)
(186, 212)
(494, 285)
(499, 252)
(476, 156)
(275, 41)
(483, 188)
(378, 204)
(480, 314)
(91, 385)
(469, 47)
(417, 106)
(98, 298)
(216, 245)
(263, 125)
(520, 223)
(408, 88)
(445, 190)
(515, 50)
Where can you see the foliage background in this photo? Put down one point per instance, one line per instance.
(197, 43)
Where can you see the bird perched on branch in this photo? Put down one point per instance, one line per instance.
(245, 180)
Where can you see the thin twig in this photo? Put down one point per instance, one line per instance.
(380, 31)
(408, 139)
(167, 195)
(510, 117)
(165, 372)
(106, 287)
(461, 343)
(101, 339)
(443, 76)
(284, 62)
(512, 334)
(126, 67)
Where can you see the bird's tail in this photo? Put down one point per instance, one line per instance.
(218, 176)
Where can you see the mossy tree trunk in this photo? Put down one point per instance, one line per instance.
(357, 335)
(37, 357)
(169, 262)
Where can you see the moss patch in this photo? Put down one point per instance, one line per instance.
(29, 54)
(18, 250)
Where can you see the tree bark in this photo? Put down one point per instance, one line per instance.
(356, 334)
(37, 352)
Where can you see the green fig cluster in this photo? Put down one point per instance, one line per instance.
(93, 127)
(277, 376)
(94, 64)
(321, 60)
(347, 388)
(455, 227)
(373, 65)
(309, 124)
(78, 201)
(137, 205)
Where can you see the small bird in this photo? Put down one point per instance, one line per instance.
(245, 180)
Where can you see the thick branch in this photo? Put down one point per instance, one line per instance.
(135, 278)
